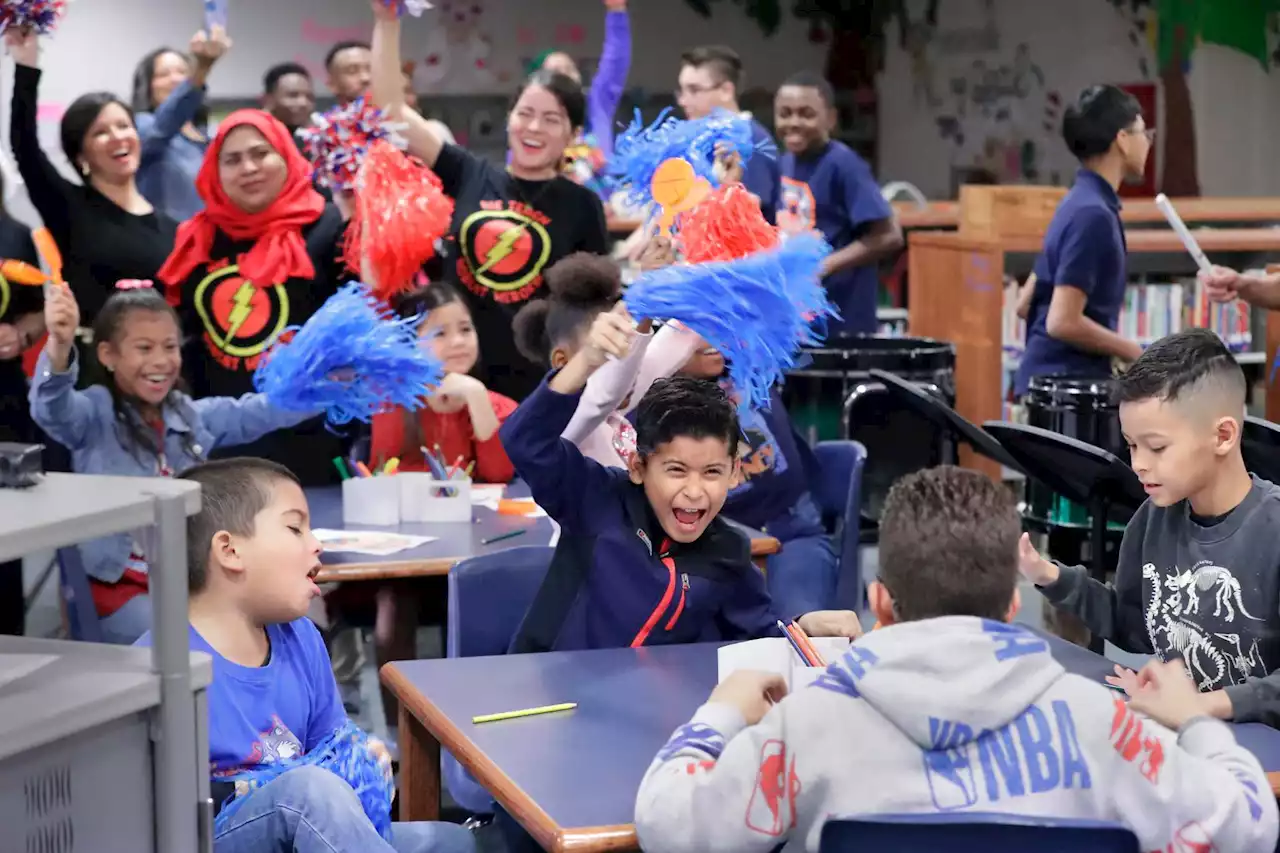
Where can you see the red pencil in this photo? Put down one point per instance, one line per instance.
(808, 646)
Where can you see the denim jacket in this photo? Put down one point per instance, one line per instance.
(170, 159)
(86, 423)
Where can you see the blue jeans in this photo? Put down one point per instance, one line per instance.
(310, 810)
(802, 577)
(128, 623)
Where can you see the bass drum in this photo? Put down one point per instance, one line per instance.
(835, 397)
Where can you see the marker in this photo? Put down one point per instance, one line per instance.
(342, 468)
(363, 469)
(510, 534)
(471, 466)
(527, 712)
(392, 466)
(456, 468)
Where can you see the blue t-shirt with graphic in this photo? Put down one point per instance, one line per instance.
(773, 477)
(834, 191)
(261, 715)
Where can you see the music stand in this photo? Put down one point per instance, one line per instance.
(1079, 472)
(1260, 444)
(946, 419)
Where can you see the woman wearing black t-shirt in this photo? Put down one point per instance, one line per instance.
(509, 225)
(104, 228)
(261, 256)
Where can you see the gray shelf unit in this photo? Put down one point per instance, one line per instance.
(105, 748)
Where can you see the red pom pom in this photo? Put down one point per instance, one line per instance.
(400, 211)
(726, 225)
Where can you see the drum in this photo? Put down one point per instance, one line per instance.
(1079, 408)
(835, 397)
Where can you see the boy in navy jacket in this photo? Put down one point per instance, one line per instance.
(643, 558)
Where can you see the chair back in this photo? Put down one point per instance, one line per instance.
(837, 489)
(979, 832)
(73, 584)
(488, 597)
(1260, 444)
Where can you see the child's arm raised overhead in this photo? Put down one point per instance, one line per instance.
(240, 420)
(562, 480)
(608, 387)
(66, 414)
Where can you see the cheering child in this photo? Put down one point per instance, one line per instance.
(137, 424)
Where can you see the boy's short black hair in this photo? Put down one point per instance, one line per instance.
(340, 47)
(276, 73)
(949, 545)
(813, 80)
(232, 493)
(689, 407)
(1181, 366)
(1091, 124)
(722, 61)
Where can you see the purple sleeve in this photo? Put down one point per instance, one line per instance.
(610, 79)
(863, 201)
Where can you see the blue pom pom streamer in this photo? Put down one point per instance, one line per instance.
(757, 311)
(42, 16)
(350, 754)
(640, 149)
(352, 359)
(338, 140)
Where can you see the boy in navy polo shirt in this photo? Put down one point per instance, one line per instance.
(825, 185)
(643, 558)
(1081, 273)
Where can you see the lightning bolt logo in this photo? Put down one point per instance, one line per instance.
(502, 249)
(240, 311)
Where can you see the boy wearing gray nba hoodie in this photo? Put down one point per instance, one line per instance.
(949, 708)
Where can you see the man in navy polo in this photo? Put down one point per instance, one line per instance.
(1081, 272)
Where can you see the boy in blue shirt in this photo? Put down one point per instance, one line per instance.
(828, 187)
(643, 557)
(252, 560)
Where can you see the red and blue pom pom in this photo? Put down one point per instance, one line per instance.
(726, 225)
(42, 16)
(339, 140)
(400, 212)
(349, 754)
(352, 359)
(757, 311)
(410, 7)
(640, 149)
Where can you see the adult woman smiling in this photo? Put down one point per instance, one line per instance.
(260, 257)
(509, 225)
(107, 231)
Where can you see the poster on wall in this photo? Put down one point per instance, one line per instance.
(1150, 106)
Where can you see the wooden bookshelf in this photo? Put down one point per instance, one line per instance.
(947, 214)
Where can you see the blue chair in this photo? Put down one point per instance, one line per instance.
(73, 583)
(979, 832)
(837, 489)
(488, 597)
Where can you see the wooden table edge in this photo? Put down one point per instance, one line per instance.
(521, 806)
(1274, 779)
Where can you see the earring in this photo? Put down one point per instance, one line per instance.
(84, 169)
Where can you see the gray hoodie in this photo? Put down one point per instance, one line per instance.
(949, 715)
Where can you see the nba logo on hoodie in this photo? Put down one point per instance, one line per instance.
(772, 810)
(949, 767)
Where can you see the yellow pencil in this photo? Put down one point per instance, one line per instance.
(527, 712)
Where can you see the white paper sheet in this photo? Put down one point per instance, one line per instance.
(373, 542)
(774, 654)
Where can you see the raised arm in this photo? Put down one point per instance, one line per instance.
(611, 75)
(46, 187)
(180, 108)
(387, 89)
(66, 414)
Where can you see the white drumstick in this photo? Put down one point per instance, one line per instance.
(1180, 228)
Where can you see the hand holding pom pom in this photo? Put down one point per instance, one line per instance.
(38, 16)
(340, 139)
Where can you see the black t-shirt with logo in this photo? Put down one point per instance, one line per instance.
(16, 300)
(229, 322)
(505, 233)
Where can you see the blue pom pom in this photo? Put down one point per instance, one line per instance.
(639, 150)
(348, 753)
(351, 360)
(757, 311)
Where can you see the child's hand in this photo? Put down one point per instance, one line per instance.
(23, 45)
(1132, 683)
(831, 623)
(1033, 567)
(752, 693)
(61, 315)
(1168, 694)
(658, 253)
(728, 166)
(611, 334)
(459, 386)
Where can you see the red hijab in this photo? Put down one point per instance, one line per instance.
(279, 251)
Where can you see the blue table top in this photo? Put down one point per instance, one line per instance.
(583, 767)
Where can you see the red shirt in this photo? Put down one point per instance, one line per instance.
(453, 433)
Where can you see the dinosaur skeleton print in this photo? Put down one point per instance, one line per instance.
(1198, 614)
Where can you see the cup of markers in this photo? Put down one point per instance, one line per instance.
(441, 494)
(367, 499)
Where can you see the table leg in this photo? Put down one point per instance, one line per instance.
(419, 770)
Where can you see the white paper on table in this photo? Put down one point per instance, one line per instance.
(775, 654)
(374, 542)
(484, 494)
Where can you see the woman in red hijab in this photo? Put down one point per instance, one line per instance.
(262, 256)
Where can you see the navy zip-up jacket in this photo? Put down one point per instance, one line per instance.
(615, 580)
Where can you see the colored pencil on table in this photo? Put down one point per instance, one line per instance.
(392, 466)
(804, 650)
(527, 712)
(510, 534)
(471, 466)
(808, 645)
(456, 468)
(792, 640)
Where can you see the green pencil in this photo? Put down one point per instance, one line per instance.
(342, 468)
(510, 534)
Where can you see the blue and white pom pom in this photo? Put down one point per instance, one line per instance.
(350, 754)
(757, 311)
(640, 149)
(338, 140)
(352, 359)
(42, 16)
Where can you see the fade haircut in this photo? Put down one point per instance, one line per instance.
(949, 545)
(722, 61)
(232, 493)
(276, 73)
(688, 407)
(1191, 365)
(813, 80)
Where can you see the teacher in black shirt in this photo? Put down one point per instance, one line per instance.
(509, 225)
(105, 229)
